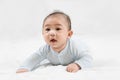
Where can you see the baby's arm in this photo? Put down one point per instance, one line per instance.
(80, 53)
(31, 62)
(82, 62)
(22, 70)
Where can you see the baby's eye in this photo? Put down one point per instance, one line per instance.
(58, 29)
(47, 29)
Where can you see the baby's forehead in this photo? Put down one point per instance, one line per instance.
(56, 20)
(59, 16)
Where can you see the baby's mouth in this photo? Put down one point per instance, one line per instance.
(53, 40)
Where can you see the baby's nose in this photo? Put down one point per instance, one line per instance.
(52, 33)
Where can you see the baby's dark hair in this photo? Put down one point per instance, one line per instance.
(56, 12)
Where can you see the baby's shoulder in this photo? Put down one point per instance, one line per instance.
(44, 47)
(77, 42)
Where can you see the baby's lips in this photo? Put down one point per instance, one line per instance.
(53, 40)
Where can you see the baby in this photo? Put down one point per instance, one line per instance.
(60, 47)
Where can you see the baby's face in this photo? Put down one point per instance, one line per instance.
(55, 32)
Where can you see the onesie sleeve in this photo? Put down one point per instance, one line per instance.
(84, 60)
(81, 54)
(34, 59)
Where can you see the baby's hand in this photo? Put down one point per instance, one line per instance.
(73, 67)
(22, 70)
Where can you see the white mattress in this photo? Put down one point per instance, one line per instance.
(104, 49)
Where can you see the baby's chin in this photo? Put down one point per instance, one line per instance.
(54, 46)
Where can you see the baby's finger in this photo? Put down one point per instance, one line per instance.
(74, 71)
(68, 69)
(21, 70)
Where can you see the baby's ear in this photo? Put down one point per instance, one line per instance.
(70, 33)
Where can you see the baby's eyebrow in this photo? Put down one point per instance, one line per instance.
(47, 25)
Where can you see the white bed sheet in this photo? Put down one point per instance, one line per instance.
(104, 49)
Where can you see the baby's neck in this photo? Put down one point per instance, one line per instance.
(58, 50)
